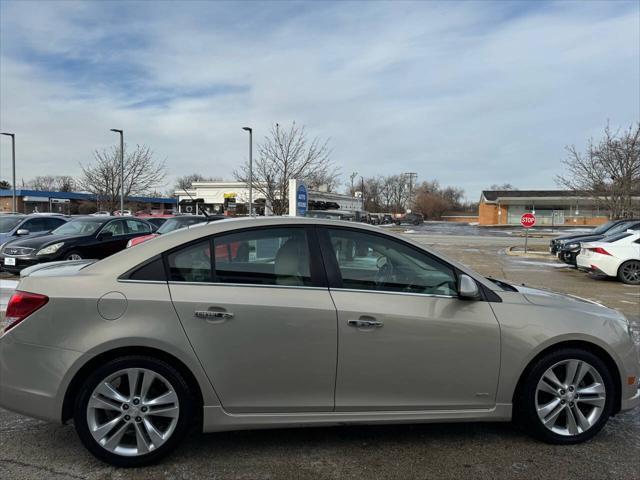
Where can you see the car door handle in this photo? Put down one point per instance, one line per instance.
(213, 315)
(364, 323)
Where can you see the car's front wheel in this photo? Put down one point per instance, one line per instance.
(567, 397)
(73, 256)
(132, 411)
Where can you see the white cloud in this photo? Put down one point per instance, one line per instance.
(469, 93)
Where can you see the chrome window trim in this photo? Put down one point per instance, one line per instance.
(252, 285)
(126, 280)
(388, 292)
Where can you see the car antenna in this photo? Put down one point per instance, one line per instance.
(204, 212)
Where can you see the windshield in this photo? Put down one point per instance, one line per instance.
(615, 238)
(9, 223)
(603, 228)
(621, 227)
(176, 223)
(77, 227)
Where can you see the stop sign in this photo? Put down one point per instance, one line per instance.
(528, 220)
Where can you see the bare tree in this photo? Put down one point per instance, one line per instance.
(502, 187)
(142, 174)
(56, 183)
(186, 181)
(609, 171)
(286, 154)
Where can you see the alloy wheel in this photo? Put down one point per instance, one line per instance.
(74, 256)
(133, 412)
(630, 272)
(570, 397)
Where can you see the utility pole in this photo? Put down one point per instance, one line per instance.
(250, 130)
(121, 169)
(13, 161)
(411, 176)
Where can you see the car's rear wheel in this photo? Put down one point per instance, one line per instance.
(133, 411)
(629, 272)
(73, 256)
(567, 397)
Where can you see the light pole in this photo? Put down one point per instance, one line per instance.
(13, 162)
(121, 169)
(250, 130)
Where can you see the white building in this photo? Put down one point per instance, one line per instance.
(218, 197)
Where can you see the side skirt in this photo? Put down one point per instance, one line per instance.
(216, 419)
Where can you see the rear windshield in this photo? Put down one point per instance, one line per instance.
(615, 238)
(8, 223)
(603, 228)
(176, 223)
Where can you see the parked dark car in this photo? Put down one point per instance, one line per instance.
(571, 248)
(557, 243)
(411, 218)
(82, 237)
(16, 226)
(173, 224)
(387, 219)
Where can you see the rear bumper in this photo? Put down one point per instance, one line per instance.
(33, 378)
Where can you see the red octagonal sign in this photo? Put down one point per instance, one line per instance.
(528, 220)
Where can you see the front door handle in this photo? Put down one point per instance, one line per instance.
(213, 315)
(365, 323)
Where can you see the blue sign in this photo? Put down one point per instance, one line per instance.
(302, 200)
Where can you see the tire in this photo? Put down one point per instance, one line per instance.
(173, 419)
(416, 223)
(398, 222)
(74, 255)
(594, 410)
(629, 272)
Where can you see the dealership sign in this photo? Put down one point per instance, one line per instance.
(302, 199)
(528, 220)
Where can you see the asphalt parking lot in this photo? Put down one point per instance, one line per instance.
(30, 449)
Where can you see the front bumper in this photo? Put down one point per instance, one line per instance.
(34, 378)
(22, 262)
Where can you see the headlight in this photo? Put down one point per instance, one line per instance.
(50, 249)
(634, 332)
(573, 245)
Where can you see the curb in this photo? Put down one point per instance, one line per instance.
(531, 253)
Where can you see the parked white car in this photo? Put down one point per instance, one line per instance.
(615, 256)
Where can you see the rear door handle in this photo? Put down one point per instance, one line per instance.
(364, 323)
(213, 315)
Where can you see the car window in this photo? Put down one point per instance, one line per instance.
(371, 262)
(52, 223)
(9, 222)
(180, 222)
(117, 228)
(277, 256)
(34, 225)
(136, 226)
(191, 263)
(77, 227)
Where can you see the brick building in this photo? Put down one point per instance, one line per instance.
(30, 201)
(551, 207)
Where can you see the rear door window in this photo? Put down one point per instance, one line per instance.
(275, 256)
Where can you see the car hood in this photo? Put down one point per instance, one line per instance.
(570, 236)
(40, 241)
(547, 298)
(584, 238)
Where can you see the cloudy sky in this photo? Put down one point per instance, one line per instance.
(470, 93)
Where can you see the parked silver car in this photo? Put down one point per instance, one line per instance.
(280, 322)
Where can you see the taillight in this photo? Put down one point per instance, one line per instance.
(600, 250)
(21, 305)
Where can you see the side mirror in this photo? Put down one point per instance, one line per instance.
(468, 288)
(22, 231)
(105, 235)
